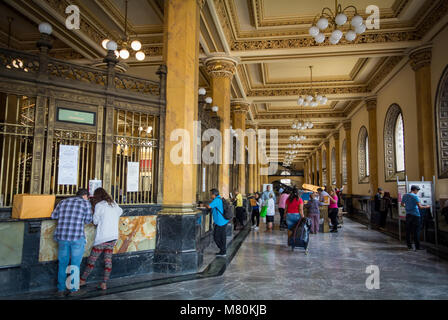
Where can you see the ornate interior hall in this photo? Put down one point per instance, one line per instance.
(346, 94)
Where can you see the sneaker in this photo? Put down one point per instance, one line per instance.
(334, 230)
(220, 254)
(256, 228)
(252, 227)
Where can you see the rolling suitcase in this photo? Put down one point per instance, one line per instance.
(299, 235)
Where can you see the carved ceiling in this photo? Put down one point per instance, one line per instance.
(269, 37)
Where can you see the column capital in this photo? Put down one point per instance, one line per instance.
(200, 3)
(221, 66)
(371, 102)
(327, 144)
(336, 135)
(347, 125)
(421, 56)
(240, 106)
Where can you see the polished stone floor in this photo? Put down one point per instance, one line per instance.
(265, 268)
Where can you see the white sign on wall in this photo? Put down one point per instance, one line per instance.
(68, 165)
(132, 177)
(93, 185)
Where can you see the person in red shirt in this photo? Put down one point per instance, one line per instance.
(293, 209)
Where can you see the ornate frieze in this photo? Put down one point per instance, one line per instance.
(385, 69)
(299, 92)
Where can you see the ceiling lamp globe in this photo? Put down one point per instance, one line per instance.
(320, 38)
(104, 43)
(202, 91)
(319, 97)
(322, 24)
(294, 126)
(306, 104)
(314, 104)
(340, 19)
(360, 29)
(357, 21)
(117, 54)
(336, 34)
(45, 27)
(350, 35)
(140, 56)
(215, 108)
(324, 100)
(300, 101)
(309, 98)
(111, 45)
(208, 100)
(136, 45)
(313, 31)
(311, 125)
(333, 40)
(124, 54)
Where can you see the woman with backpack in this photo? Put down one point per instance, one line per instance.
(106, 216)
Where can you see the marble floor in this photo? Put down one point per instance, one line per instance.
(265, 268)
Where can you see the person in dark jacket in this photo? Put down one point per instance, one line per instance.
(382, 204)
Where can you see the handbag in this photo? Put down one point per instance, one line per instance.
(263, 211)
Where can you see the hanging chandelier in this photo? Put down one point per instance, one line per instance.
(124, 52)
(335, 21)
(294, 146)
(314, 98)
(297, 138)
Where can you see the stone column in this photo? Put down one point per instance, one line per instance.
(371, 103)
(348, 155)
(338, 160)
(176, 246)
(421, 64)
(315, 181)
(328, 163)
(221, 69)
(239, 110)
(321, 176)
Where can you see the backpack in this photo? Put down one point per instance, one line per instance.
(253, 202)
(228, 213)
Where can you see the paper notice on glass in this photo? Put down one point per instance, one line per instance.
(93, 185)
(132, 178)
(68, 165)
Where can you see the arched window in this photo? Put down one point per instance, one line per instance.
(442, 125)
(333, 166)
(363, 156)
(394, 164)
(344, 162)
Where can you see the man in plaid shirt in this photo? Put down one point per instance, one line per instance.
(72, 214)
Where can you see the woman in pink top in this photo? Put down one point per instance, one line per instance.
(281, 207)
(333, 210)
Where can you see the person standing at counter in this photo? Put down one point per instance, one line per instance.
(313, 212)
(72, 214)
(411, 202)
(220, 223)
(106, 217)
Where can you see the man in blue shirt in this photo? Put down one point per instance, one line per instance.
(411, 202)
(220, 223)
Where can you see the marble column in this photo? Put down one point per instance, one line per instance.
(371, 103)
(316, 180)
(328, 163)
(221, 69)
(421, 64)
(338, 159)
(348, 156)
(239, 110)
(305, 171)
(176, 246)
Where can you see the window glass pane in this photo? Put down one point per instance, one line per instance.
(399, 144)
(367, 156)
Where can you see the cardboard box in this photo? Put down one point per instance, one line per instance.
(32, 206)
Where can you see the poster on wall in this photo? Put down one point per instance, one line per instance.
(401, 191)
(68, 165)
(425, 192)
(132, 177)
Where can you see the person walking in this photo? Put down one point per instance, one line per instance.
(72, 214)
(281, 207)
(382, 203)
(256, 204)
(270, 213)
(333, 210)
(313, 212)
(293, 209)
(239, 210)
(106, 217)
(412, 204)
(219, 222)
